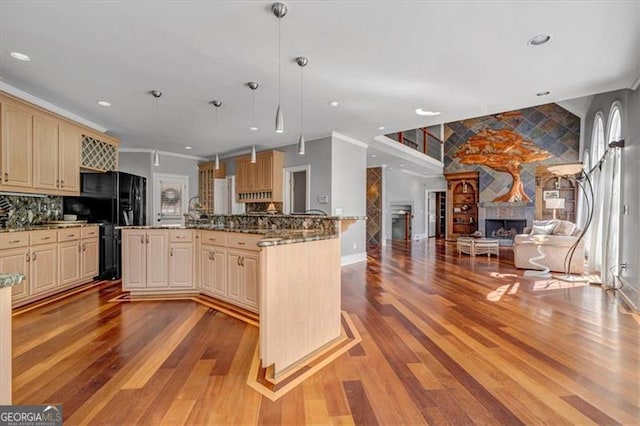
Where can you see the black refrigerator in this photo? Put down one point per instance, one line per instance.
(110, 199)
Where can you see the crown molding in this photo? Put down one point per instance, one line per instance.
(165, 153)
(635, 82)
(349, 139)
(49, 106)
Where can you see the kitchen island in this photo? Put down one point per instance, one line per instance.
(285, 268)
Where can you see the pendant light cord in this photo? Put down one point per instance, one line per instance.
(253, 108)
(279, 65)
(301, 99)
(157, 122)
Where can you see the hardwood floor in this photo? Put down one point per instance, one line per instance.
(445, 339)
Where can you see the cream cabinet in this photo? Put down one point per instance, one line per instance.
(16, 145)
(45, 150)
(51, 260)
(213, 270)
(69, 146)
(158, 259)
(243, 277)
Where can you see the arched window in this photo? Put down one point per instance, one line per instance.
(597, 138)
(615, 123)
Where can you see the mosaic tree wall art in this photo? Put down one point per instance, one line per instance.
(503, 151)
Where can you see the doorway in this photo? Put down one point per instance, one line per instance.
(296, 185)
(436, 210)
(401, 215)
(170, 199)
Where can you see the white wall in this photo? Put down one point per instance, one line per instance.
(630, 223)
(141, 164)
(349, 193)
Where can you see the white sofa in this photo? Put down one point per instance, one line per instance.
(555, 246)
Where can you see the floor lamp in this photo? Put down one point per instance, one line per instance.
(575, 171)
(554, 204)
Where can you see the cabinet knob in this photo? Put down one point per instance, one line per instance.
(141, 239)
(79, 247)
(147, 238)
(61, 184)
(84, 247)
(57, 183)
(171, 251)
(28, 257)
(6, 176)
(34, 257)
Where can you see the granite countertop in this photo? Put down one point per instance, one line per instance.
(9, 280)
(48, 226)
(271, 237)
(293, 216)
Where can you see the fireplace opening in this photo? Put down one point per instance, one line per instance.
(504, 229)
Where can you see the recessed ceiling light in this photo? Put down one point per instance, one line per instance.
(373, 156)
(401, 165)
(253, 128)
(104, 103)
(543, 93)
(381, 128)
(334, 103)
(188, 147)
(539, 39)
(423, 112)
(20, 56)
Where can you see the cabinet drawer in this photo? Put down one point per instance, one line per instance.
(215, 238)
(244, 241)
(181, 236)
(68, 234)
(89, 232)
(14, 239)
(46, 236)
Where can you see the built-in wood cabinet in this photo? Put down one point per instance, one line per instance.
(134, 259)
(207, 174)
(51, 260)
(260, 181)
(462, 204)
(17, 144)
(550, 185)
(41, 152)
(213, 270)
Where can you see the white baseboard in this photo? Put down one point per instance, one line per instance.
(353, 258)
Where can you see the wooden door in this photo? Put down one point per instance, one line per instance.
(250, 264)
(90, 258)
(206, 268)
(44, 267)
(68, 262)
(157, 259)
(134, 259)
(219, 261)
(16, 145)
(234, 275)
(17, 261)
(45, 153)
(70, 146)
(181, 265)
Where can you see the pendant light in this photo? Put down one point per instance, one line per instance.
(217, 104)
(156, 154)
(279, 10)
(253, 86)
(302, 62)
(253, 153)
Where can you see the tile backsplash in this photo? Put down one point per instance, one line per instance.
(17, 211)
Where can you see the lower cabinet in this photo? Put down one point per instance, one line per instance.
(51, 260)
(243, 273)
(151, 261)
(213, 270)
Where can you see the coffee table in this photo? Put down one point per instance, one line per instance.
(474, 246)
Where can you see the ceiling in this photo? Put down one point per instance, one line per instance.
(380, 60)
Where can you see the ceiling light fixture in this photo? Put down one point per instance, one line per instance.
(188, 147)
(401, 165)
(20, 56)
(216, 104)
(104, 103)
(426, 113)
(279, 10)
(380, 127)
(156, 154)
(253, 86)
(302, 62)
(334, 104)
(545, 93)
(373, 156)
(539, 40)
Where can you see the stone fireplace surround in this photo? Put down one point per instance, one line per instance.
(504, 211)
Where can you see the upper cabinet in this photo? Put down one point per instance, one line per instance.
(260, 181)
(41, 152)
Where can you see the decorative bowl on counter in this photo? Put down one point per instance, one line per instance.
(70, 217)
